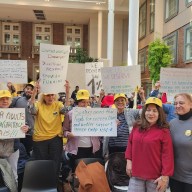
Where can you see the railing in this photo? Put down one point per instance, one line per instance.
(10, 49)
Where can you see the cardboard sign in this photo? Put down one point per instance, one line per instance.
(93, 77)
(11, 121)
(14, 71)
(53, 67)
(94, 121)
(123, 79)
(176, 80)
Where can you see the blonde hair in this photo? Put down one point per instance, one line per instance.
(42, 100)
(185, 95)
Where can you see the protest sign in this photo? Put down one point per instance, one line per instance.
(94, 121)
(11, 121)
(122, 79)
(175, 80)
(53, 67)
(93, 77)
(14, 71)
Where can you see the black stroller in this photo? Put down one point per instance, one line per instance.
(116, 172)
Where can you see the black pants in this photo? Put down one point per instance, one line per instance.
(177, 186)
(50, 149)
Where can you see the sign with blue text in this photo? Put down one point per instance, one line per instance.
(11, 121)
(14, 71)
(94, 121)
(122, 79)
(53, 67)
(175, 80)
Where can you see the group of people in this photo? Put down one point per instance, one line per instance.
(158, 152)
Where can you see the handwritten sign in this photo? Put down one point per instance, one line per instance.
(123, 79)
(13, 71)
(93, 77)
(11, 121)
(94, 121)
(53, 67)
(176, 80)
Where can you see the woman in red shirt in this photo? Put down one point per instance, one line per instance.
(149, 152)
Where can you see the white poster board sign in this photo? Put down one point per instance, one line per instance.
(123, 79)
(175, 80)
(11, 121)
(53, 67)
(93, 77)
(14, 71)
(94, 121)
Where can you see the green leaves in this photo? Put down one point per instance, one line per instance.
(159, 56)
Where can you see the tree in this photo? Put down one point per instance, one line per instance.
(159, 55)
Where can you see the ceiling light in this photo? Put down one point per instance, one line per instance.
(87, 1)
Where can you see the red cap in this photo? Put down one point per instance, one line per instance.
(107, 101)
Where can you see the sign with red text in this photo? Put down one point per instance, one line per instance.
(93, 77)
(53, 67)
(11, 121)
(175, 80)
(94, 121)
(14, 71)
(122, 79)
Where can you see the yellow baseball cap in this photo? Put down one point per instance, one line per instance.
(82, 94)
(119, 95)
(154, 100)
(5, 93)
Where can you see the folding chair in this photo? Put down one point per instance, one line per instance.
(39, 176)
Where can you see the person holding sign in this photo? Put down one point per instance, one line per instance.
(149, 153)
(48, 133)
(181, 132)
(9, 148)
(84, 146)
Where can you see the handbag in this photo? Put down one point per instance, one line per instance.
(6, 147)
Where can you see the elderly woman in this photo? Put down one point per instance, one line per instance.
(12, 152)
(48, 134)
(79, 146)
(126, 117)
(181, 132)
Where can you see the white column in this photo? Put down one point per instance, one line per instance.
(100, 23)
(133, 32)
(110, 33)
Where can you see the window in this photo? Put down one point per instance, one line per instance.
(171, 9)
(73, 36)
(142, 59)
(152, 15)
(188, 44)
(171, 41)
(10, 33)
(188, 2)
(43, 34)
(142, 20)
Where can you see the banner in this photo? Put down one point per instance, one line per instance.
(14, 71)
(93, 77)
(175, 80)
(123, 79)
(11, 121)
(94, 121)
(53, 67)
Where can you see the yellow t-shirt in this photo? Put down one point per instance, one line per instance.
(48, 121)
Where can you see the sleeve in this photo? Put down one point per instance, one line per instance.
(128, 152)
(33, 108)
(167, 154)
(166, 108)
(66, 125)
(154, 93)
